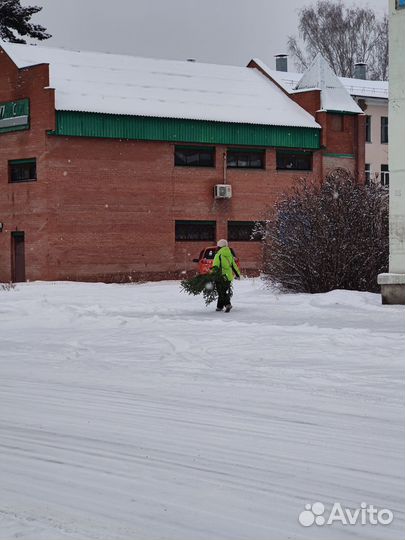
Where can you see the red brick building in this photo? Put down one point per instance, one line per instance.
(108, 164)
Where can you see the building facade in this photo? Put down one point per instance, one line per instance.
(372, 97)
(109, 164)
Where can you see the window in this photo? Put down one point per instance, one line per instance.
(400, 4)
(294, 161)
(384, 129)
(243, 231)
(195, 231)
(368, 128)
(245, 159)
(336, 122)
(194, 156)
(385, 176)
(22, 170)
(367, 174)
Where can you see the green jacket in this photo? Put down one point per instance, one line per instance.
(224, 260)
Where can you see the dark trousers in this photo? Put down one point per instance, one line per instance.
(224, 294)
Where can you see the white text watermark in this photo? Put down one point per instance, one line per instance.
(366, 514)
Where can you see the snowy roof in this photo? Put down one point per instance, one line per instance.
(366, 88)
(119, 84)
(334, 96)
(356, 87)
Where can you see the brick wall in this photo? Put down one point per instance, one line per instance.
(24, 206)
(350, 140)
(116, 204)
(105, 209)
(310, 100)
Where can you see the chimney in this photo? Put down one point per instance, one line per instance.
(281, 62)
(360, 70)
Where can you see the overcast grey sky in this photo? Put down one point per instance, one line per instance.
(216, 31)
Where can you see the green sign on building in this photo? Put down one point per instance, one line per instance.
(14, 115)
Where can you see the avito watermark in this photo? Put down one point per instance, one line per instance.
(365, 514)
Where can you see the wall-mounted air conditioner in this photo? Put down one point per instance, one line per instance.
(223, 191)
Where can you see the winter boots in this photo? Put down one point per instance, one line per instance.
(228, 308)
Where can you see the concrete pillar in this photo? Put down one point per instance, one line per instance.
(393, 283)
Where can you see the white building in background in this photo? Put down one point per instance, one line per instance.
(372, 96)
(393, 283)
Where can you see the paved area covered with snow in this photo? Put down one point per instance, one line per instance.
(135, 412)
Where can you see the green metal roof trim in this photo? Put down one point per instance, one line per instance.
(327, 154)
(84, 124)
(22, 161)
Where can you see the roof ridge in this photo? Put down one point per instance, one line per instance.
(41, 47)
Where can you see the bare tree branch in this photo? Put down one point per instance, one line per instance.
(343, 36)
(327, 236)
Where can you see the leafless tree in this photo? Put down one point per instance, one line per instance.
(379, 67)
(328, 236)
(344, 36)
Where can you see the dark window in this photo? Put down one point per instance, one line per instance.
(367, 173)
(336, 122)
(194, 156)
(368, 128)
(195, 231)
(384, 129)
(294, 161)
(23, 170)
(243, 231)
(245, 159)
(385, 176)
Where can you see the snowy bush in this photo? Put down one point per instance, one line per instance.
(328, 236)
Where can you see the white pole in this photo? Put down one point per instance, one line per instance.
(393, 283)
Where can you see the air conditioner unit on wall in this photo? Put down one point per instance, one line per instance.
(223, 191)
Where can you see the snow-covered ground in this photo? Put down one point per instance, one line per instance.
(134, 412)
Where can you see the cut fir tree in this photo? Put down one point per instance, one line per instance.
(205, 284)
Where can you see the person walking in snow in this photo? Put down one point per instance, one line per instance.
(225, 262)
